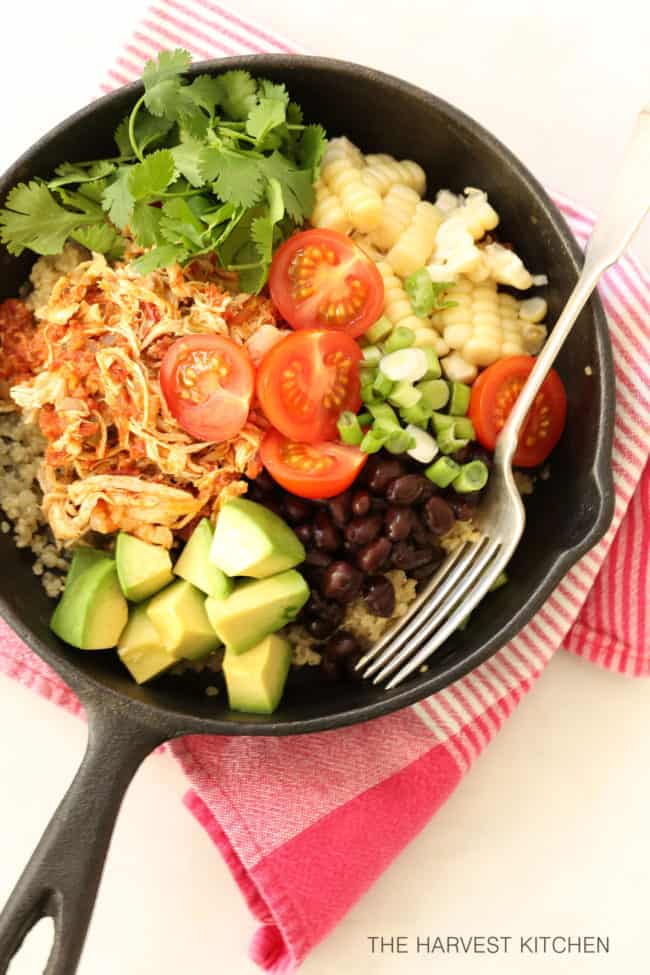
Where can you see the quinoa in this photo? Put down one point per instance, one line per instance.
(47, 271)
(21, 452)
(462, 531)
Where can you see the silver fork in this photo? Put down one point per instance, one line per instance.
(467, 574)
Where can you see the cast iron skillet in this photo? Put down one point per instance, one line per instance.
(566, 515)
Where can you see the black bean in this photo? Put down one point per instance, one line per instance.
(372, 556)
(406, 489)
(316, 606)
(421, 535)
(438, 516)
(341, 645)
(360, 503)
(264, 483)
(330, 668)
(380, 471)
(317, 557)
(378, 504)
(462, 509)
(464, 455)
(320, 628)
(340, 508)
(360, 531)
(304, 533)
(341, 582)
(405, 556)
(398, 523)
(296, 510)
(314, 574)
(273, 504)
(326, 535)
(425, 571)
(379, 595)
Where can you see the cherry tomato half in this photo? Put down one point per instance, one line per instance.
(493, 396)
(306, 381)
(311, 470)
(321, 279)
(207, 382)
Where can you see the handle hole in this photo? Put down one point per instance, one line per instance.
(33, 954)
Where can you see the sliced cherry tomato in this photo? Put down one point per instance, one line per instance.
(493, 396)
(306, 381)
(321, 279)
(311, 470)
(207, 382)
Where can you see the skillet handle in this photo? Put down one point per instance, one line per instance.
(61, 879)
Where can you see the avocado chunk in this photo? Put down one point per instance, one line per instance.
(178, 614)
(143, 569)
(250, 540)
(82, 559)
(194, 564)
(92, 612)
(140, 648)
(255, 680)
(256, 609)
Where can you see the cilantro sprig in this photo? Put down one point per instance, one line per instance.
(219, 164)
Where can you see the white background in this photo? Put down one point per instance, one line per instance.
(548, 834)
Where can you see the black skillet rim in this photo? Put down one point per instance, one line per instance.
(93, 691)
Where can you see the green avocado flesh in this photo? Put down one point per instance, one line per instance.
(178, 614)
(255, 680)
(140, 647)
(194, 564)
(82, 559)
(143, 569)
(256, 609)
(92, 611)
(250, 540)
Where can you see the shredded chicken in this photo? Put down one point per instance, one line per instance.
(116, 457)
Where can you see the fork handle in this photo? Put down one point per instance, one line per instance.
(627, 205)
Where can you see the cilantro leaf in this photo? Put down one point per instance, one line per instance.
(236, 177)
(296, 184)
(238, 92)
(187, 160)
(68, 173)
(101, 238)
(162, 80)
(179, 225)
(424, 294)
(311, 147)
(294, 114)
(145, 224)
(252, 279)
(275, 200)
(152, 177)
(265, 116)
(95, 190)
(118, 200)
(33, 219)
(161, 256)
(262, 234)
(206, 92)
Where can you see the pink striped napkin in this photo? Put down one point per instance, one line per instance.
(277, 807)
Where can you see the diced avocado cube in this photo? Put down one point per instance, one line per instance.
(140, 648)
(92, 612)
(143, 569)
(256, 609)
(194, 564)
(178, 614)
(82, 558)
(250, 540)
(255, 680)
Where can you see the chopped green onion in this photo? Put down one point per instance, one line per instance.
(443, 471)
(349, 428)
(405, 364)
(379, 331)
(424, 447)
(448, 442)
(369, 394)
(463, 427)
(435, 393)
(367, 374)
(419, 415)
(403, 394)
(419, 288)
(385, 415)
(371, 355)
(400, 338)
(472, 477)
(441, 421)
(373, 441)
(365, 419)
(434, 370)
(500, 580)
(400, 442)
(382, 385)
(459, 403)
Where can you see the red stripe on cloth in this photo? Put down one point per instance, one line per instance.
(212, 24)
(230, 18)
(175, 38)
(187, 31)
